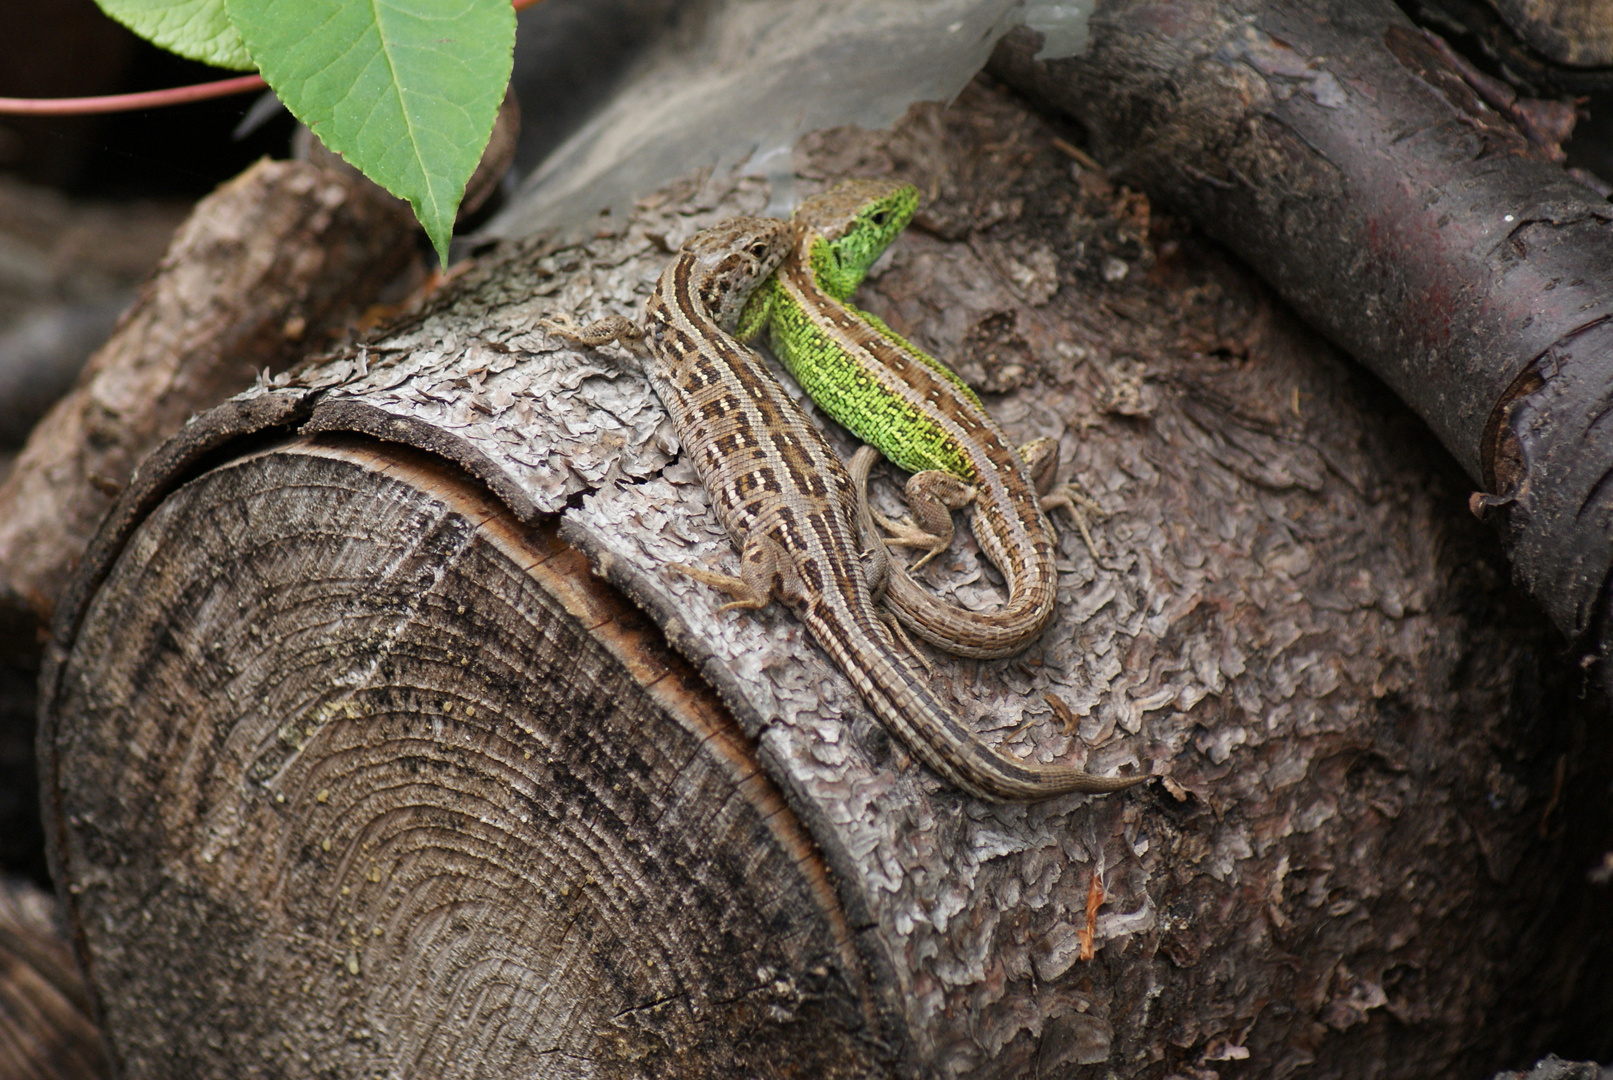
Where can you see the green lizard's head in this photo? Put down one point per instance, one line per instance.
(850, 225)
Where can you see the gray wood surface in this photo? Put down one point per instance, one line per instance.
(413, 796)
(1367, 758)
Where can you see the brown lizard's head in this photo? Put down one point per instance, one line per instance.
(731, 259)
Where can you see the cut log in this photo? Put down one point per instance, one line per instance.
(287, 843)
(413, 789)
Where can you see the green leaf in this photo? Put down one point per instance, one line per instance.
(195, 29)
(405, 90)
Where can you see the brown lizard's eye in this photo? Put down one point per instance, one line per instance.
(759, 250)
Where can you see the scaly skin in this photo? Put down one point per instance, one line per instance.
(788, 502)
(915, 410)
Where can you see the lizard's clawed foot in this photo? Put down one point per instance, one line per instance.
(901, 534)
(1041, 457)
(895, 627)
(932, 495)
(765, 572)
(560, 323)
(611, 328)
(744, 595)
(1073, 501)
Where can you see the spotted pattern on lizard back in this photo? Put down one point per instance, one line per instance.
(789, 504)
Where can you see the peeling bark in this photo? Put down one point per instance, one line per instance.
(279, 844)
(1340, 152)
(273, 263)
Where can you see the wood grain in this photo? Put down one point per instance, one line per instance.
(45, 1029)
(1380, 787)
(367, 778)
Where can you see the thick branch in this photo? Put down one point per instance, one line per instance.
(1341, 153)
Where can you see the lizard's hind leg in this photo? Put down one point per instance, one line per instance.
(765, 571)
(1041, 458)
(932, 495)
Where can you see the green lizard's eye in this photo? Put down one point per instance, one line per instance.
(879, 217)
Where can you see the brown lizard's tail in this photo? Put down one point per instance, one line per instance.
(907, 706)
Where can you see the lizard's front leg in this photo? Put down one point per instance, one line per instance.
(599, 332)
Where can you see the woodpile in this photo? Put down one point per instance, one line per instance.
(378, 738)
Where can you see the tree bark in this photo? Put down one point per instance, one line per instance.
(1339, 151)
(45, 1029)
(276, 262)
(286, 841)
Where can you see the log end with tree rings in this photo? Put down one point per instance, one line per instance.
(364, 774)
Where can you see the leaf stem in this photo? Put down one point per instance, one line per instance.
(149, 99)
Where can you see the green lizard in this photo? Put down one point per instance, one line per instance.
(916, 411)
(789, 504)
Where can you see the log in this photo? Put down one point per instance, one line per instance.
(82, 261)
(1345, 155)
(45, 1029)
(558, 852)
(351, 766)
(276, 262)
